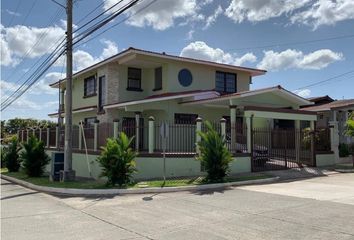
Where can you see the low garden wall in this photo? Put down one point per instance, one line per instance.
(325, 159)
(152, 167)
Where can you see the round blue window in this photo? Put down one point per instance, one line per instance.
(185, 77)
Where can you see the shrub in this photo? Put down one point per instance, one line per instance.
(214, 155)
(34, 157)
(343, 150)
(117, 160)
(11, 158)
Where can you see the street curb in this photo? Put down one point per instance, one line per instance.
(110, 192)
(344, 170)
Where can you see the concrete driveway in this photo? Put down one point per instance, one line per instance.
(317, 208)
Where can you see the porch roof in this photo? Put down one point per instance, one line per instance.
(274, 113)
(76, 110)
(266, 97)
(335, 105)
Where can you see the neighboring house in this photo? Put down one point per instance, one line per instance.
(138, 82)
(333, 110)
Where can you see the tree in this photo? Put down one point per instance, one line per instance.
(118, 160)
(214, 154)
(34, 157)
(11, 157)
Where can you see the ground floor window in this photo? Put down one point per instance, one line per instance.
(185, 118)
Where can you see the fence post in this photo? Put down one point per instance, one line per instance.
(22, 133)
(313, 150)
(151, 134)
(297, 140)
(57, 137)
(40, 134)
(95, 135)
(27, 135)
(223, 127)
(334, 139)
(80, 135)
(137, 135)
(34, 132)
(115, 128)
(48, 136)
(199, 121)
(249, 133)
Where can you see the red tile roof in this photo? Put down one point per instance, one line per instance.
(338, 104)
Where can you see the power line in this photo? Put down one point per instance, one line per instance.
(29, 11)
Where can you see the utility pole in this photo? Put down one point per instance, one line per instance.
(68, 173)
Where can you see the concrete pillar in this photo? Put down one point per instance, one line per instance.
(346, 117)
(80, 134)
(199, 121)
(115, 128)
(95, 135)
(34, 131)
(249, 133)
(57, 137)
(223, 127)
(22, 135)
(297, 140)
(48, 136)
(233, 110)
(27, 135)
(334, 139)
(40, 134)
(151, 134)
(137, 130)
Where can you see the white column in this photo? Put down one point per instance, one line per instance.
(198, 129)
(137, 135)
(223, 127)
(22, 135)
(297, 140)
(34, 131)
(48, 132)
(151, 134)
(95, 135)
(40, 134)
(233, 110)
(80, 134)
(249, 132)
(115, 128)
(334, 139)
(27, 134)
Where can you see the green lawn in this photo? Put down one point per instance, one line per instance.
(94, 184)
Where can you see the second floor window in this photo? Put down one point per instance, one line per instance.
(134, 79)
(225, 82)
(90, 86)
(158, 78)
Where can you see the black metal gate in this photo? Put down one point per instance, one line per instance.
(275, 149)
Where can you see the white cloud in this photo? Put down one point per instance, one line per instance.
(325, 12)
(200, 50)
(190, 35)
(13, 13)
(160, 15)
(256, 10)
(110, 49)
(290, 58)
(21, 41)
(212, 18)
(303, 93)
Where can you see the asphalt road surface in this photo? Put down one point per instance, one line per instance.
(317, 208)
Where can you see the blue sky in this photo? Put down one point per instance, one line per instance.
(268, 34)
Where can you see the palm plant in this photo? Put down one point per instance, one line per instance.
(34, 157)
(117, 160)
(214, 154)
(11, 156)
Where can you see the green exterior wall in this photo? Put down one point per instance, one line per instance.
(325, 159)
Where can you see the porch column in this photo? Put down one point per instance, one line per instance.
(137, 137)
(115, 128)
(34, 131)
(297, 140)
(48, 136)
(61, 107)
(223, 127)
(249, 124)
(334, 139)
(95, 135)
(151, 134)
(198, 129)
(22, 135)
(27, 135)
(40, 133)
(233, 109)
(80, 135)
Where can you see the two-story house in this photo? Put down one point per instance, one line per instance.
(138, 83)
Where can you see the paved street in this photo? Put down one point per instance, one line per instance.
(317, 208)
